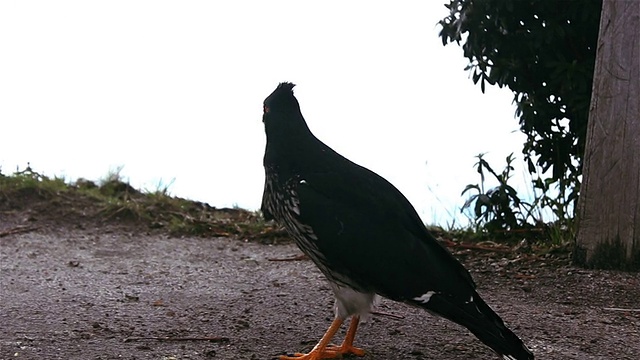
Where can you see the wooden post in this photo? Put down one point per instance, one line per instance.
(609, 206)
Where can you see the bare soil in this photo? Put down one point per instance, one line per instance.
(71, 288)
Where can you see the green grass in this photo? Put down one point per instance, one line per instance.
(112, 199)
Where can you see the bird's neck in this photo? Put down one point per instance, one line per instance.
(291, 150)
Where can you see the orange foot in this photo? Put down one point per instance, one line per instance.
(342, 350)
(330, 352)
(325, 351)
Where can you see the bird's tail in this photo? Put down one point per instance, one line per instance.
(483, 322)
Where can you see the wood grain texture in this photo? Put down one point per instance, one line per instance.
(609, 205)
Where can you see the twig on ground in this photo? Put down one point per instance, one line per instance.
(453, 244)
(621, 309)
(515, 231)
(293, 258)
(166, 338)
(18, 230)
(381, 313)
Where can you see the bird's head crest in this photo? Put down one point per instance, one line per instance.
(281, 97)
(282, 117)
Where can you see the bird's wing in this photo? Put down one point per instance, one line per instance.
(368, 231)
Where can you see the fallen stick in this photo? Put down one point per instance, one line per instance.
(166, 338)
(453, 244)
(381, 313)
(293, 258)
(621, 309)
(18, 230)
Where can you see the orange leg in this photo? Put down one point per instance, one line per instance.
(347, 345)
(325, 351)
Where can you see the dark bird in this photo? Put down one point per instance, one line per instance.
(364, 236)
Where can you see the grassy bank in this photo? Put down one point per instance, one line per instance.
(112, 200)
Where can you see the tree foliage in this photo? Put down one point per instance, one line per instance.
(544, 51)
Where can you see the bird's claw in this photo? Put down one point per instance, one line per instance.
(342, 350)
(330, 352)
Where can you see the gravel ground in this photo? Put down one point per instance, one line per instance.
(95, 293)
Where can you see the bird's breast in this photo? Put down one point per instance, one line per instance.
(281, 200)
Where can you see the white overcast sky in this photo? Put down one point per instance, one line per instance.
(173, 91)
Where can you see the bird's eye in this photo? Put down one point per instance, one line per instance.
(265, 109)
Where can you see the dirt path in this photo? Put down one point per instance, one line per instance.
(78, 294)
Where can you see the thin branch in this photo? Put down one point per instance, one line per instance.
(18, 230)
(166, 338)
(380, 313)
(621, 309)
(457, 245)
(293, 258)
